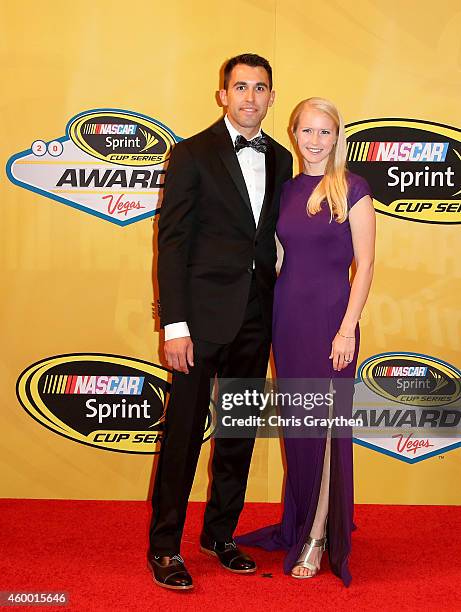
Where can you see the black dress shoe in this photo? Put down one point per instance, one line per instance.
(230, 556)
(171, 576)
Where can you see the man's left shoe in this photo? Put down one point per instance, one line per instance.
(229, 555)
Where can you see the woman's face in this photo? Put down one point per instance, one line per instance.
(316, 135)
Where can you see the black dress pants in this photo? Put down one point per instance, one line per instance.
(245, 357)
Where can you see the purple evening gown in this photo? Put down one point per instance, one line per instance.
(311, 296)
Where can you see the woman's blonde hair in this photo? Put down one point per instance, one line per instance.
(333, 186)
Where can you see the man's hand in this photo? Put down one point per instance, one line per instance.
(179, 353)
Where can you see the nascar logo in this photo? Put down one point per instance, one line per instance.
(85, 385)
(418, 415)
(400, 371)
(397, 151)
(88, 398)
(413, 167)
(435, 383)
(109, 128)
(110, 164)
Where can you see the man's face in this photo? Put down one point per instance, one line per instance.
(247, 98)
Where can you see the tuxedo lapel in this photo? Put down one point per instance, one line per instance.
(229, 158)
(270, 182)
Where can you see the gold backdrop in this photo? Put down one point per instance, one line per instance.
(75, 283)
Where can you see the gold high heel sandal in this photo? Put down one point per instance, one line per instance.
(305, 553)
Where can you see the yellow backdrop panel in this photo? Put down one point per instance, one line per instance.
(74, 283)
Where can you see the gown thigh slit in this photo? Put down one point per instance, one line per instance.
(319, 527)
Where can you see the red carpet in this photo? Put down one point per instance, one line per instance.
(404, 558)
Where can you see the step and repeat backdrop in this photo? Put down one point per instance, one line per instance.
(96, 95)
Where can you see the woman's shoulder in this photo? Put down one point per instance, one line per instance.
(358, 188)
(355, 179)
(290, 184)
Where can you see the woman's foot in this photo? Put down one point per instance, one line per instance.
(308, 563)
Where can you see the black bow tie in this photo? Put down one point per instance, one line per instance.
(258, 144)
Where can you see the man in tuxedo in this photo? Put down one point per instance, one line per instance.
(216, 272)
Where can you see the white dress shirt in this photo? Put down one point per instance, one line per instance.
(253, 166)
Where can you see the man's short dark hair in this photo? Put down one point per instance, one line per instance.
(249, 59)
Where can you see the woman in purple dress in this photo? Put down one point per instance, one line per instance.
(326, 221)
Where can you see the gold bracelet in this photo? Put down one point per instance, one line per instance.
(349, 337)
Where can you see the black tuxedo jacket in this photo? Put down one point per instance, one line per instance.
(208, 239)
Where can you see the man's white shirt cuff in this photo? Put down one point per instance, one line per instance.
(176, 330)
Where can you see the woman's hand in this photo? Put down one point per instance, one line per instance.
(342, 351)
